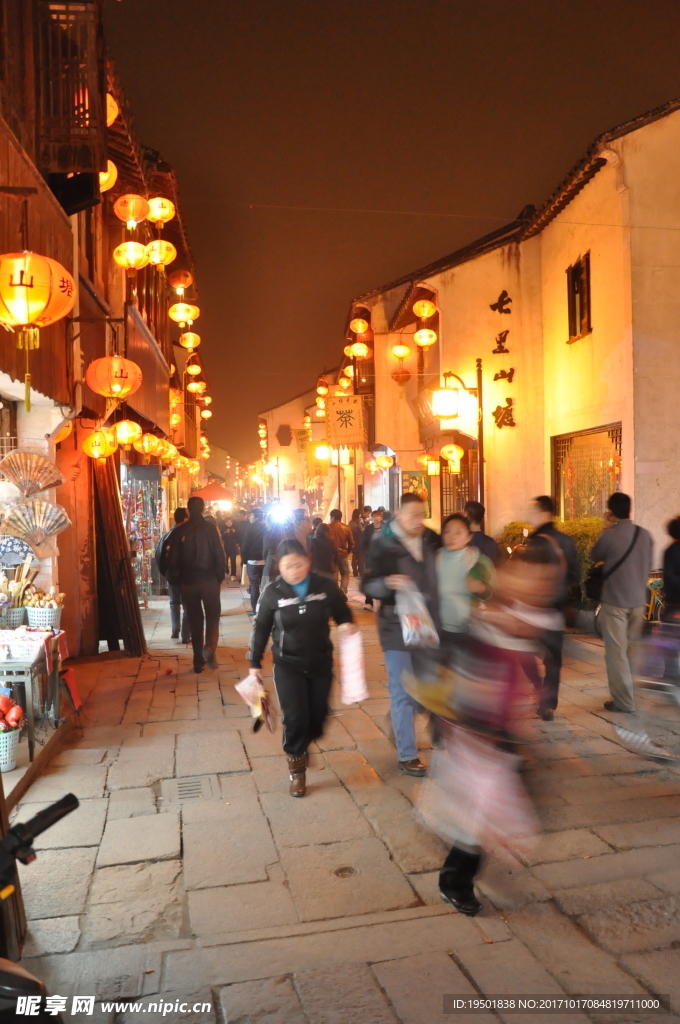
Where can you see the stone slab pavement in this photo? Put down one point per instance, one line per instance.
(189, 876)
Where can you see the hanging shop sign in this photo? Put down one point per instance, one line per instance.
(345, 423)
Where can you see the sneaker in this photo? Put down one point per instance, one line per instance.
(610, 705)
(465, 904)
(413, 767)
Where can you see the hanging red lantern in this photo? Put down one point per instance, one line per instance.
(35, 291)
(180, 280)
(113, 377)
(189, 340)
(109, 177)
(100, 444)
(161, 252)
(401, 376)
(112, 110)
(184, 313)
(161, 210)
(131, 208)
(126, 433)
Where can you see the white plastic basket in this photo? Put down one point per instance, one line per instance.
(9, 741)
(47, 617)
(10, 618)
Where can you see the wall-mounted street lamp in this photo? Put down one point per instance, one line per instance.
(446, 406)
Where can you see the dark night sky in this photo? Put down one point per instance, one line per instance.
(457, 111)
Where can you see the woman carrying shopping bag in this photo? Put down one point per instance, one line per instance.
(296, 608)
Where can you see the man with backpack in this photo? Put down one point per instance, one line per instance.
(177, 612)
(626, 551)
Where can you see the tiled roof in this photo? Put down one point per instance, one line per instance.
(531, 221)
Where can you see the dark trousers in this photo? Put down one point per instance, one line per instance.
(230, 559)
(303, 696)
(552, 641)
(458, 872)
(200, 598)
(357, 562)
(177, 613)
(255, 578)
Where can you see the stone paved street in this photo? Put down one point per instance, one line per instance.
(189, 871)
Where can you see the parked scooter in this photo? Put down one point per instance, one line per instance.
(15, 981)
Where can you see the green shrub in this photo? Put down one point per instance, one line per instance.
(584, 532)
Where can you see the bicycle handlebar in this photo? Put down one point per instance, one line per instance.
(17, 844)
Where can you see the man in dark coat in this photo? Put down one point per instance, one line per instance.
(174, 591)
(403, 554)
(474, 510)
(196, 562)
(541, 517)
(252, 554)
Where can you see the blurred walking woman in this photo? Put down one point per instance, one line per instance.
(297, 607)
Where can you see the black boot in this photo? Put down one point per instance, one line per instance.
(456, 881)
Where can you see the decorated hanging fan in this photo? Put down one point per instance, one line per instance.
(30, 472)
(35, 521)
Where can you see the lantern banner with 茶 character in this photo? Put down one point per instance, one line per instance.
(345, 421)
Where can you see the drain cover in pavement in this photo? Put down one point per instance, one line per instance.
(176, 791)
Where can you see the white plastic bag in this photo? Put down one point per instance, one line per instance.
(252, 691)
(352, 674)
(417, 627)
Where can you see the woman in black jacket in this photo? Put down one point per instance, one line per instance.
(671, 573)
(297, 607)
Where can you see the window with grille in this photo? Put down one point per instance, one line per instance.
(72, 90)
(578, 297)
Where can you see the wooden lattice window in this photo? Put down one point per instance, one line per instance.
(578, 298)
(72, 88)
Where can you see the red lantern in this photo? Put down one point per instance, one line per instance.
(180, 280)
(113, 377)
(401, 376)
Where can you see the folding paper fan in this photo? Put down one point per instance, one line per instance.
(30, 472)
(35, 521)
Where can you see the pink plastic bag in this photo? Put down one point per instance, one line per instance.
(352, 674)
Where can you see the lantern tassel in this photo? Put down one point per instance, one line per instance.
(27, 390)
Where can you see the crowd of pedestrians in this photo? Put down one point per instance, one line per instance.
(495, 618)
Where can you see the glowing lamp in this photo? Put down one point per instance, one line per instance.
(322, 453)
(423, 460)
(348, 351)
(349, 370)
(322, 388)
(425, 337)
(131, 255)
(112, 110)
(372, 466)
(445, 403)
(148, 444)
(452, 453)
(263, 445)
(35, 291)
(113, 377)
(131, 208)
(161, 210)
(175, 419)
(189, 340)
(424, 308)
(109, 177)
(384, 461)
(401, 351)
(359, 350)
(194, 386)
(345, 383)
(161, 252)
(206, 414)
(100, 444)
(321, 403)
(180, 280)
(184, 313)
(320, 413)
(207, 399)
(193, 369)
(126, 433)
(434, 467)
(358, 325)
(65, 432)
